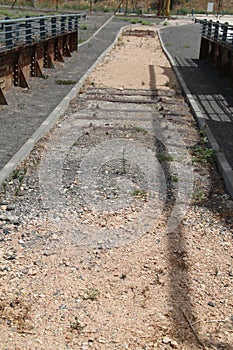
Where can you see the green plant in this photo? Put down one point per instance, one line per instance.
(76, 325)
(164, 157)
(65, 82)
(83, 27)
(139, 129)
(4, 186)
(184, 11)
(16, 173)
(91, 294)
(202, 154)
(198, 195)
(139, 193)
(44, 76)
(174, 178)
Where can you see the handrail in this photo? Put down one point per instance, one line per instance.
(21, 31)
(216, 31)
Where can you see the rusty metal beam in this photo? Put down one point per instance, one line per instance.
(18, 64)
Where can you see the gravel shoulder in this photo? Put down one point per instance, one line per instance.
(79, 276)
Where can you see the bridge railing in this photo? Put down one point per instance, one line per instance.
(23, 31)
(216, 31)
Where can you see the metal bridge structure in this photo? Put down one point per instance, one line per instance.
(27, 45)
(217, 45)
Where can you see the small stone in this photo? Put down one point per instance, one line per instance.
(3, 207)
(166, 340)
(174, 344)
(211, 304)
(11, 257)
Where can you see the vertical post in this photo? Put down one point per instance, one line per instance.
(63, 24)
(42, 29)
(204, 25)
(28, 31)
(76, 23)
(216, 31)
(209, 30)
(225, 29)
(70, 23)
(54, 26)
(8, 34)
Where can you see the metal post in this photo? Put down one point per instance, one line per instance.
(225, 29)
(76, 23)
(209, 30)
(8, 34)
(204, 25)
(70, 23)
(54, 26)
(42, 29)
(216, 31)
(63, 24)
(28, 31)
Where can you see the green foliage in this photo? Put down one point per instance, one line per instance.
(65, 82)
(139, 193)
(76, 325)
(202, 154)
(139, 129)
(91, 294)
(83, 27)
(164, 157)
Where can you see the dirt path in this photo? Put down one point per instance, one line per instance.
(119, 236)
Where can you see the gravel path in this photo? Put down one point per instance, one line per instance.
(116, 232)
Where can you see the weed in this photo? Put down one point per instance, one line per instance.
(4, 187)
(174, 178)
(91, 294)
(146, 23)
(171, 85)
(16, 312)
(89, 45)
(139, 193)
(44, 76)
(76, 325)
(83, 27)
(65, 82)
(21, 105)
(139, 129)
(198, 195)
(16, 173)
(202, 154)
(164, 157)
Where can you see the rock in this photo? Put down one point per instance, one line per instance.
(166, 340)
(211, 304)
(174, 344)
(3, 207)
